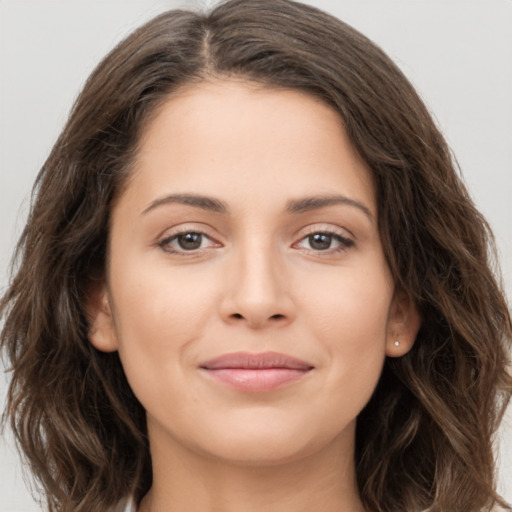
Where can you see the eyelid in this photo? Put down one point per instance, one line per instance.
(186, 227)
(325, 228)
(346, 242)
(344, 237)
(182, 229)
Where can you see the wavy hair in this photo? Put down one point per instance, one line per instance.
(425, 439)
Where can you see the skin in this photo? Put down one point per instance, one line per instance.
(257, 282)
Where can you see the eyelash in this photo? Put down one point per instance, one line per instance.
(344, 243)
(165, 243)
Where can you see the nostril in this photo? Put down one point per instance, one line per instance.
(277, 316)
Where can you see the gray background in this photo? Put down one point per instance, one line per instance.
(458, 53)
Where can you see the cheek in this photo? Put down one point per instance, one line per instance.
(352, 305)
(171, 301)
(351, 322)
(159, 311)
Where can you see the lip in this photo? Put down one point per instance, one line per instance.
(261, 372)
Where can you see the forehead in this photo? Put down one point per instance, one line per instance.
(243, 139)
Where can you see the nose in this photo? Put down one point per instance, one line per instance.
(258, 291)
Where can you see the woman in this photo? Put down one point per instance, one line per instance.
(252, 279)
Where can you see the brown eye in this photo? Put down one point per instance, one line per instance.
(325, 241)
(189, 241)
(320, 241)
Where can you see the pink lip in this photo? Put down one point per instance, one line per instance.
(256, 372)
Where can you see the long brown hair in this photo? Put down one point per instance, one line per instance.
(425, 438)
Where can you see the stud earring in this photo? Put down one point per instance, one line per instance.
(397, 343)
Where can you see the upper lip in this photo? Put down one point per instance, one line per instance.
(247, 360)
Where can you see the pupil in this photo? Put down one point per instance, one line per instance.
(190, 241)
(320, 241)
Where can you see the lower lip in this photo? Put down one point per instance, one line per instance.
(256, 380)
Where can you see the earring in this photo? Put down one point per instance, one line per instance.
(397, 343)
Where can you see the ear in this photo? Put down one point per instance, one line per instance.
(403, 325)
(102, 332)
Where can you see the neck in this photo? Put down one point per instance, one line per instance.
(187, 480)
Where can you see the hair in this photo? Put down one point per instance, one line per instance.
(425, 439)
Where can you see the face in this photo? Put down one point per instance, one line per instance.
(248, 294)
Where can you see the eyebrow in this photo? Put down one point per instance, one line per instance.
(294, 206)
(315, 202)
(204, 202)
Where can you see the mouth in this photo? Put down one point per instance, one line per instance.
(249, 372)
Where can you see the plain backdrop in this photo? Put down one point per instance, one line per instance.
(458, 53)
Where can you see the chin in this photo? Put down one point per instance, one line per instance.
(263, 444)
(257, 453)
